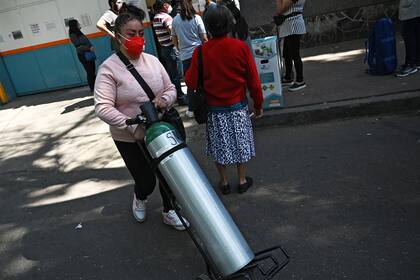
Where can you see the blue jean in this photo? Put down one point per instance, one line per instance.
(186, 65)
(169, 59)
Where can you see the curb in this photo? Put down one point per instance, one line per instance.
(358, 107)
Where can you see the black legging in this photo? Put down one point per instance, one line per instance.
(90, 68)
(411, 35)
(140, 170)
(291, 55)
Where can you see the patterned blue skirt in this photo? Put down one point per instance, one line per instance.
(230, 138)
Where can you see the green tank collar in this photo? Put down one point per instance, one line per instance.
(156, 130)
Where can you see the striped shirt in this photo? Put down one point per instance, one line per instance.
(293, 25)
(162, 22)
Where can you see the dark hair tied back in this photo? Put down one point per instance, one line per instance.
(130, 13)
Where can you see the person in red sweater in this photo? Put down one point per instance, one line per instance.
(229, 69)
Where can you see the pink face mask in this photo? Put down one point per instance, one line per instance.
(134, 45)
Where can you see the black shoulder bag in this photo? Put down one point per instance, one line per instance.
(170, 116)
(198, 100)
(280, 19)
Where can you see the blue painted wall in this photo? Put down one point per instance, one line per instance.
(150, 41)
(5, 80)
(53, 67)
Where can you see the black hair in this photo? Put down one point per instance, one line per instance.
(187, 10)
(131, 13)
(112, 5)
(159, 4)
(74, 27)
(240, 27)
(218, 21)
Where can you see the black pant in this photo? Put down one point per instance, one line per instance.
(411, 36)
(90, 68)
(291, 55)
(144, 178)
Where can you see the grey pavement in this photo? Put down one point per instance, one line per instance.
(342, 197)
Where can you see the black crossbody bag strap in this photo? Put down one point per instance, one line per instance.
(137, 76)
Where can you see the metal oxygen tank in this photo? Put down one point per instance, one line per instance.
(223, 242)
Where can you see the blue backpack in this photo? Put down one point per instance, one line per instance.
(381, 49)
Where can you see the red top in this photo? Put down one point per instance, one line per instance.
(229, 69)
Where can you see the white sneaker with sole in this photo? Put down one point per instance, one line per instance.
(139, 209)
(189, 114)
(171, 219)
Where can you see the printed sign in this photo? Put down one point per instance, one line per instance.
(268, 65)
(35, 29)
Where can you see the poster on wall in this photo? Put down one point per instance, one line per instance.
(17, 35)
(35, 29)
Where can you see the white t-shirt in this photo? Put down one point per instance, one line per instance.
(109, 17)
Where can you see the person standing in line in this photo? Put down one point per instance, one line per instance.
(409, 14)
(210, 4)
(188, 32)
(240, 26)
(107, 21)
(291, 30)
(83, 45)
(162, 24)
(118, 97)
(228, 71)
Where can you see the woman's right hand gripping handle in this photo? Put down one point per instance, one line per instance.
(258, 113)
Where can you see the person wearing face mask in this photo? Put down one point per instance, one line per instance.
(162, 25)
(118, 97)
(107, 21)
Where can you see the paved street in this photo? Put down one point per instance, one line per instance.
(342, 197)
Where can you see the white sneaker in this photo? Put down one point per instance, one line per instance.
(189, 114)
(139, 209)
(172, 219)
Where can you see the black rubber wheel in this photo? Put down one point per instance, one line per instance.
(202, 277)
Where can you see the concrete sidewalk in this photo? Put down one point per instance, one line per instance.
(338, 87)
